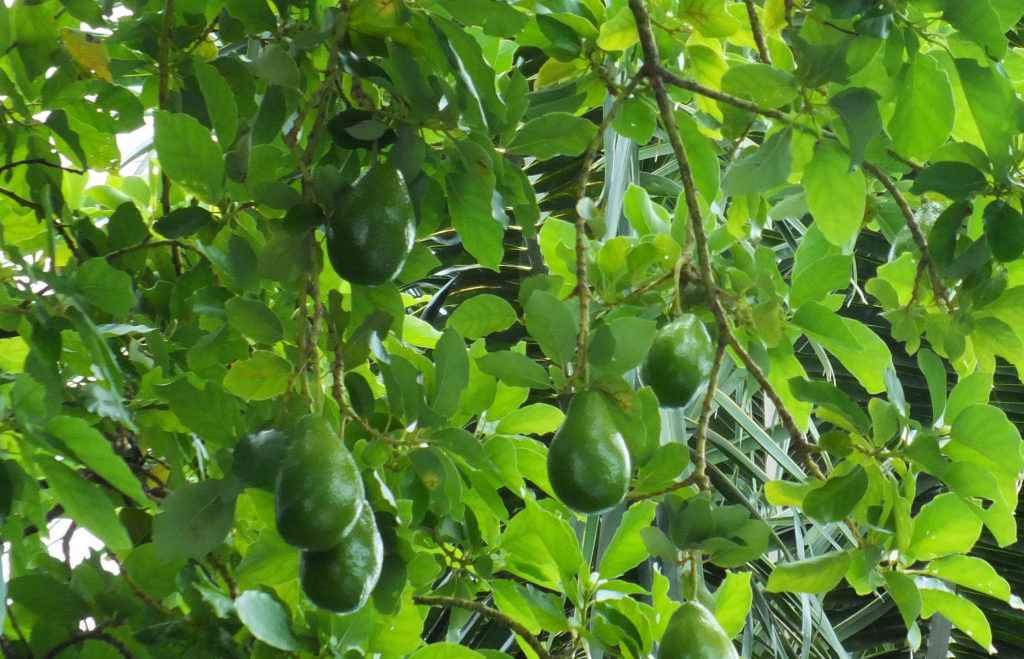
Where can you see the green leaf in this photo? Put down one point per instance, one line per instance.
(972, 572)
(49, 599)
(481, 315)
(637, 120)
(536, 419)
(182, 222)
(925, 111)
(276, 66)
(960, 611)
(819, 268)
(94, 450)
(469, 187)
(84, 502)
(104, 287)
(553, 134)
(514, 368)
(451, 372)
(154, 577)
(209, 412)
(858, 108)
(643, 214)
(709, 17)
(813, 575)
(995, 108)
(220, 101)
(194, 520)
(267, 619)
(905, 593)
(956, 180)
(264, 375)
(626, 549)
(945, 525)
(733, 600)
(1004, 228)
(551, 324)
(632, 339)
(767, 167)
(767, 86)
(445, 651)
(188, 155)
(618, 32)
(972, 389)
(835, 194)
(541, 547)
(838, 496)
(253, 319)
(977, 21)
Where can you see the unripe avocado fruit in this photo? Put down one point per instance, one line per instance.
(341, 578)
(258, 457)
(678, 365)
(588, 461)
(694, 633)
(319, 492)
(372, 228)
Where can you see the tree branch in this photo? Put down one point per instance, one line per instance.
(157, 243)
(583, 339)
(40, 161)
(705, 416)
(493, 614)
(755, 28)
(82, 637)
(21, 200)
(655, 72)
(941, 294)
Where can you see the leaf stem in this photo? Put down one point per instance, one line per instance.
(493, 614)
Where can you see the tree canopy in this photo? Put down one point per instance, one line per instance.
(478, 328)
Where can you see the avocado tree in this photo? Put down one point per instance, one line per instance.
(482, 328)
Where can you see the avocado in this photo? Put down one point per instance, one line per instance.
(341, 578)
(694, 633)
(319, 492)
(678, 365)
(372, 228)
(588, 461)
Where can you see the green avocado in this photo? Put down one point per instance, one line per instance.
(258, 458)
(372, 228)
(341, 578)
(678, 365)
(319, 492)
(693, 633)
(588, 461)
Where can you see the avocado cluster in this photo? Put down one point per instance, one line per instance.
(588, 460)
(320, 507)
(372, 228)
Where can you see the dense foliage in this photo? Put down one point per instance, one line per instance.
(207, 271)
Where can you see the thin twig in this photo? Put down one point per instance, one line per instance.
(17, 630)
(701, 440)
(40, 161)
(582, 289)
(493, 614)
(170, 613)
(654, 75)
(157, 243)
(338, 383)
(164, 91)
(21, 200)
(686, 482)
(939, 289)
(755, 27)
(225, 574)
(82, 637)
(789, 12)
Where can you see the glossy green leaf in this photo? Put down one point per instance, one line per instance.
(481, 315)
(104, 287)
(767, 167)
(945, 525)
(470, 190)
(765, 85)
(626, 549)
(253, 319)
(451, 372)
(95, 451)
(838, 496)
(188, 154)
(813, 575)
(925, 110)
(514, 368)
(618, 32)
(956, 180)
(551, 324)
(264, 375)
(733, 600)
(835, 194)
(182, 222)
(267, 619)
(193, 520)
(553, 134)
(536, 419)
(84, 502)
(220, 101)
(963, 613)
(972, 572)
(1004, 228)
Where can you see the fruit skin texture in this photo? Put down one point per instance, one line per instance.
(372, 228)
(588, 461)
(319, 492)
(693, 633)
(679, 362)
(258, 457)
(341, 578)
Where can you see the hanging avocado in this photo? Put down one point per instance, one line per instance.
(588, 462)
(372, 228)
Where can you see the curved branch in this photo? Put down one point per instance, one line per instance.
(755, 28)
(21, 200)
(82, 637)
(493, 614)
(705, 416)
(157, 243)
(915, 230)
(654, 75)
(40, 161)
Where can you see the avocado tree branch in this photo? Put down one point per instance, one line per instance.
(164, 91)
(654, 73)
(941, 294)
(758, 32)
(700, 466)
(40, 161)
(582, 289)
(493, 614)
(93, 635)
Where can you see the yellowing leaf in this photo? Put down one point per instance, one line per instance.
(618, 32)
(90, 54)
